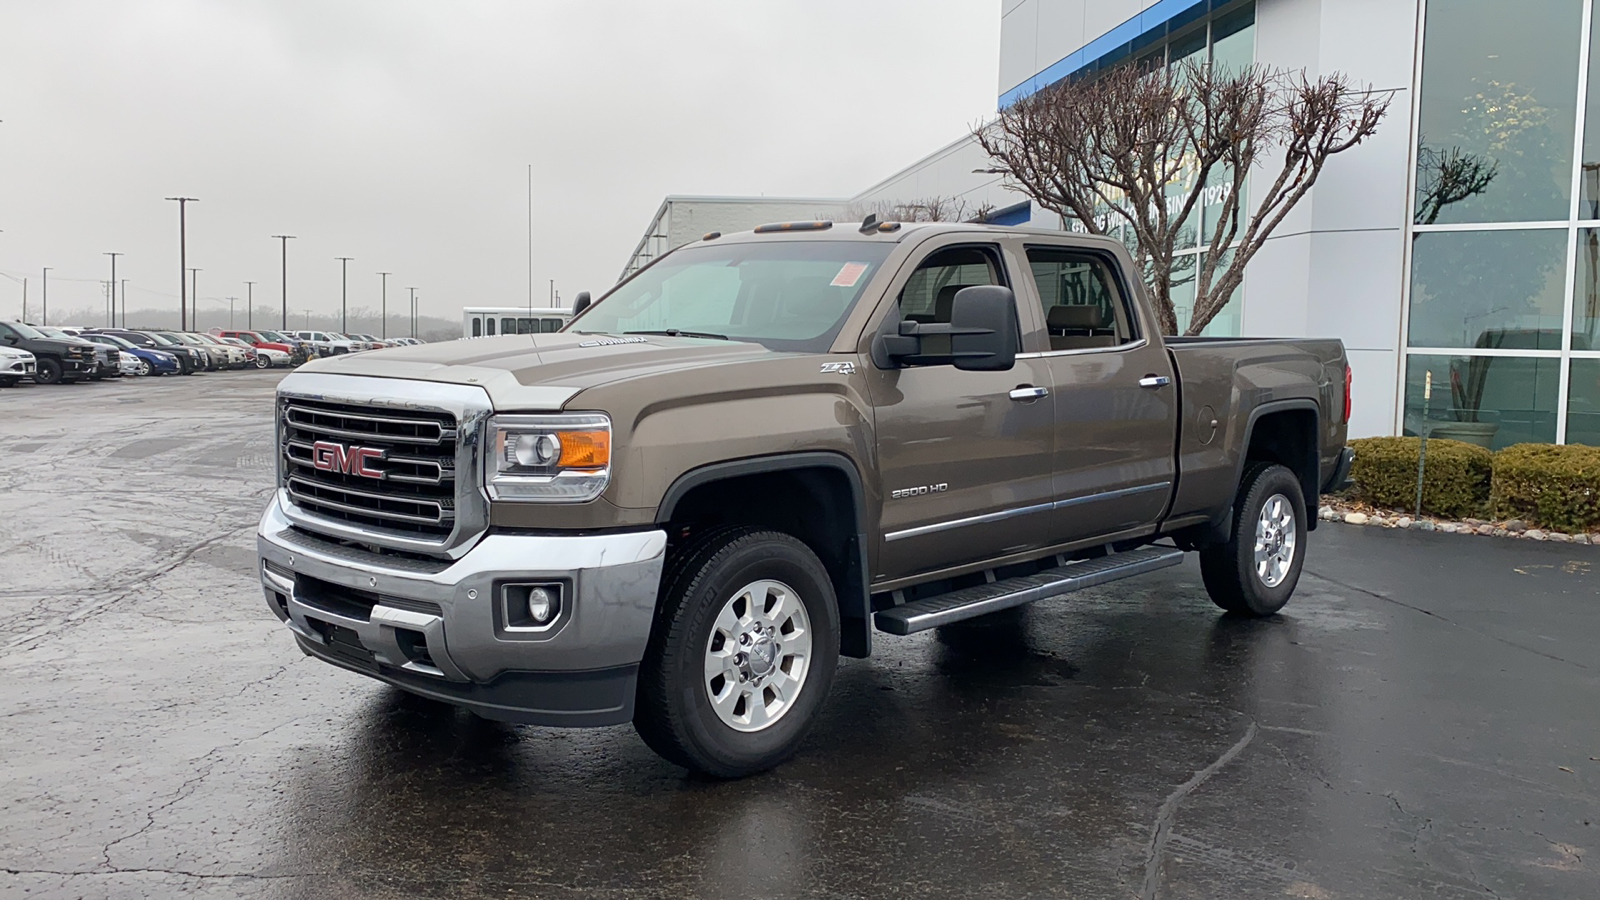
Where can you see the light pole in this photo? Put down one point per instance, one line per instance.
(183, 258)
(344, 292)
(249, 305)
(384, 324)
(113, 255)
(124, 303)
(46, 296)
(308, 320)
(413, 310)
(230, 312)
(285, 238)
(194, 298)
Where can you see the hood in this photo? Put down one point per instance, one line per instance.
(542, 371)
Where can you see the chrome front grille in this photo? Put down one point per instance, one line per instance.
(429, 500)
(417, 492)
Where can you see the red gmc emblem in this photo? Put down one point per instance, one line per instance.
(330, 457)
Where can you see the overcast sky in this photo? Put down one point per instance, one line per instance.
(399, 133)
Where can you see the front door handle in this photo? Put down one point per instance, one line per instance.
(1028, 392)
(1154, 381)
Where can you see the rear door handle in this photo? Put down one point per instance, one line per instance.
(1154, 381)
(1028, 392)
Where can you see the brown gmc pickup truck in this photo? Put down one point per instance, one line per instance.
(681, 509)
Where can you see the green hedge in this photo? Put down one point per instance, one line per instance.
(1456, 484)
(1554, 486)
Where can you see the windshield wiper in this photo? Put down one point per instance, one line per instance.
(678, 332)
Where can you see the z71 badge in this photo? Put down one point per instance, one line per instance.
(919, 491)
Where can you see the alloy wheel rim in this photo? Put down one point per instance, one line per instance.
(757, 656)
(1275, 540)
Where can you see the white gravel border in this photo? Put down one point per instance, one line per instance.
(1511, 528)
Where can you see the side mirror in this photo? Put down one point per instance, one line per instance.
(981, 335)
(11, 338)
(983, 329)
(582, 303)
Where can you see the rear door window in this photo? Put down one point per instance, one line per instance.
(1083, 310)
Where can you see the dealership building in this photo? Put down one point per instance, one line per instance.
(1461, 242)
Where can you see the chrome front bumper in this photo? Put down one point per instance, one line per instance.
(439, 628)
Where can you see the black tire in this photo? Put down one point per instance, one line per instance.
(7, 381)
(48, 371)
(144, 368)
(673, 712)
(263, 361)
(1230, 571)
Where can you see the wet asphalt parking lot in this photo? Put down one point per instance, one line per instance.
(1423, 720)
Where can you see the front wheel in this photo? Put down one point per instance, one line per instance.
(263, 361)
(143, 368)
(1256, 571)
(741, 654)
(48, 371)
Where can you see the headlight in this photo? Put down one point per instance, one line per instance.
(555, 458)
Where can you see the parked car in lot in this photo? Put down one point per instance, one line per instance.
(149, 361)
(682, 513)
(215, 356)
(16, 364)
(189, 359)
(237, 356)
(107, 359)
(300, 349)
(262, 357)
(294, 350)
(56, 361)
(326, 343)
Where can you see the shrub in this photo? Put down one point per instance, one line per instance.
(1554, 486)
(1456, 483)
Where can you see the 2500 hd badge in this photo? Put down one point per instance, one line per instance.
(903, 493)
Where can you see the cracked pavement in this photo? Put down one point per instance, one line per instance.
(1421, 721)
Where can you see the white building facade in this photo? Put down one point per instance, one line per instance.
(1495, 294)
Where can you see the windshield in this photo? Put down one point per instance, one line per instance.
(25, 330)
(783, 295)
(54, 332)
(182, 338)
(163, 340)
(111, 339)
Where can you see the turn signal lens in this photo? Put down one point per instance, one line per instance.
(585, 449)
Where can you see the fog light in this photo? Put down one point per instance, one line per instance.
(530, 607)
(541, 605)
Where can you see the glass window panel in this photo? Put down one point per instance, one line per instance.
(1583, 403)
(1590, 183)
(1182, 49)
(1233, 41)
(1499, 103)
(1496, 401)
(1488, 289)
(1586, 300)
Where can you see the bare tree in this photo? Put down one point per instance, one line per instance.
(925, 209)
(1448, 176)
(1145, 151)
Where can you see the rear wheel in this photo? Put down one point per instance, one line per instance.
(48, 371)
(1256, 571)
(741, 655)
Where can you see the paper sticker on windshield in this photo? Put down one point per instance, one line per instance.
(849, 274)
